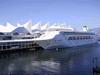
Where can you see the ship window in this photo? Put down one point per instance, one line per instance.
(69, 38)
(91, 37)
(78, 38)
(72, 38)
(1, 33)
(28, 34)
(86, 37)
(7, 38)
(81, 37)
(15, 33)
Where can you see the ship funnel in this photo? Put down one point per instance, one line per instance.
(85, 28)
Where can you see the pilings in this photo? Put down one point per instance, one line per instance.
(18, 45)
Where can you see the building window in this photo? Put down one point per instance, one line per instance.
(15, 33)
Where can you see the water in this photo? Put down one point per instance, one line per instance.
(70, 61)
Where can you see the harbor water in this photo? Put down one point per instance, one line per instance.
(69, 61)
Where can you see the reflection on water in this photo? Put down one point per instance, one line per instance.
(34, 67)
(70, 61)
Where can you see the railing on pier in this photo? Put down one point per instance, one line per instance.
(18, 45)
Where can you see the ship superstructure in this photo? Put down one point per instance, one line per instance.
(65, 37)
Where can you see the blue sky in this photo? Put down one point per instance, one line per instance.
(73, 12)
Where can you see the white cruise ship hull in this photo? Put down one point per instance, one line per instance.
(60, 41)
(63, 44)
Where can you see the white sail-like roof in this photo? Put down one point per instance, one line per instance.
(10, 27)
(36, 27)
(45, 26)
(19, 25)
(28, 25)
(3, 28)
(60, 26)
(7, 28)
(24, 27)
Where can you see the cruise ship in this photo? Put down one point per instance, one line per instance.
(46, 36)
(62, 36)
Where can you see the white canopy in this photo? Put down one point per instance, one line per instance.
(7, 28)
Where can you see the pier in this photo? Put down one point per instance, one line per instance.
(11, 45)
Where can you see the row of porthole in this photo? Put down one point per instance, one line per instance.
(80, 37)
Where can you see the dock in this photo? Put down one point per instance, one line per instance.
(18, 44)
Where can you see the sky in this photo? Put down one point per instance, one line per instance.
(76, 13)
